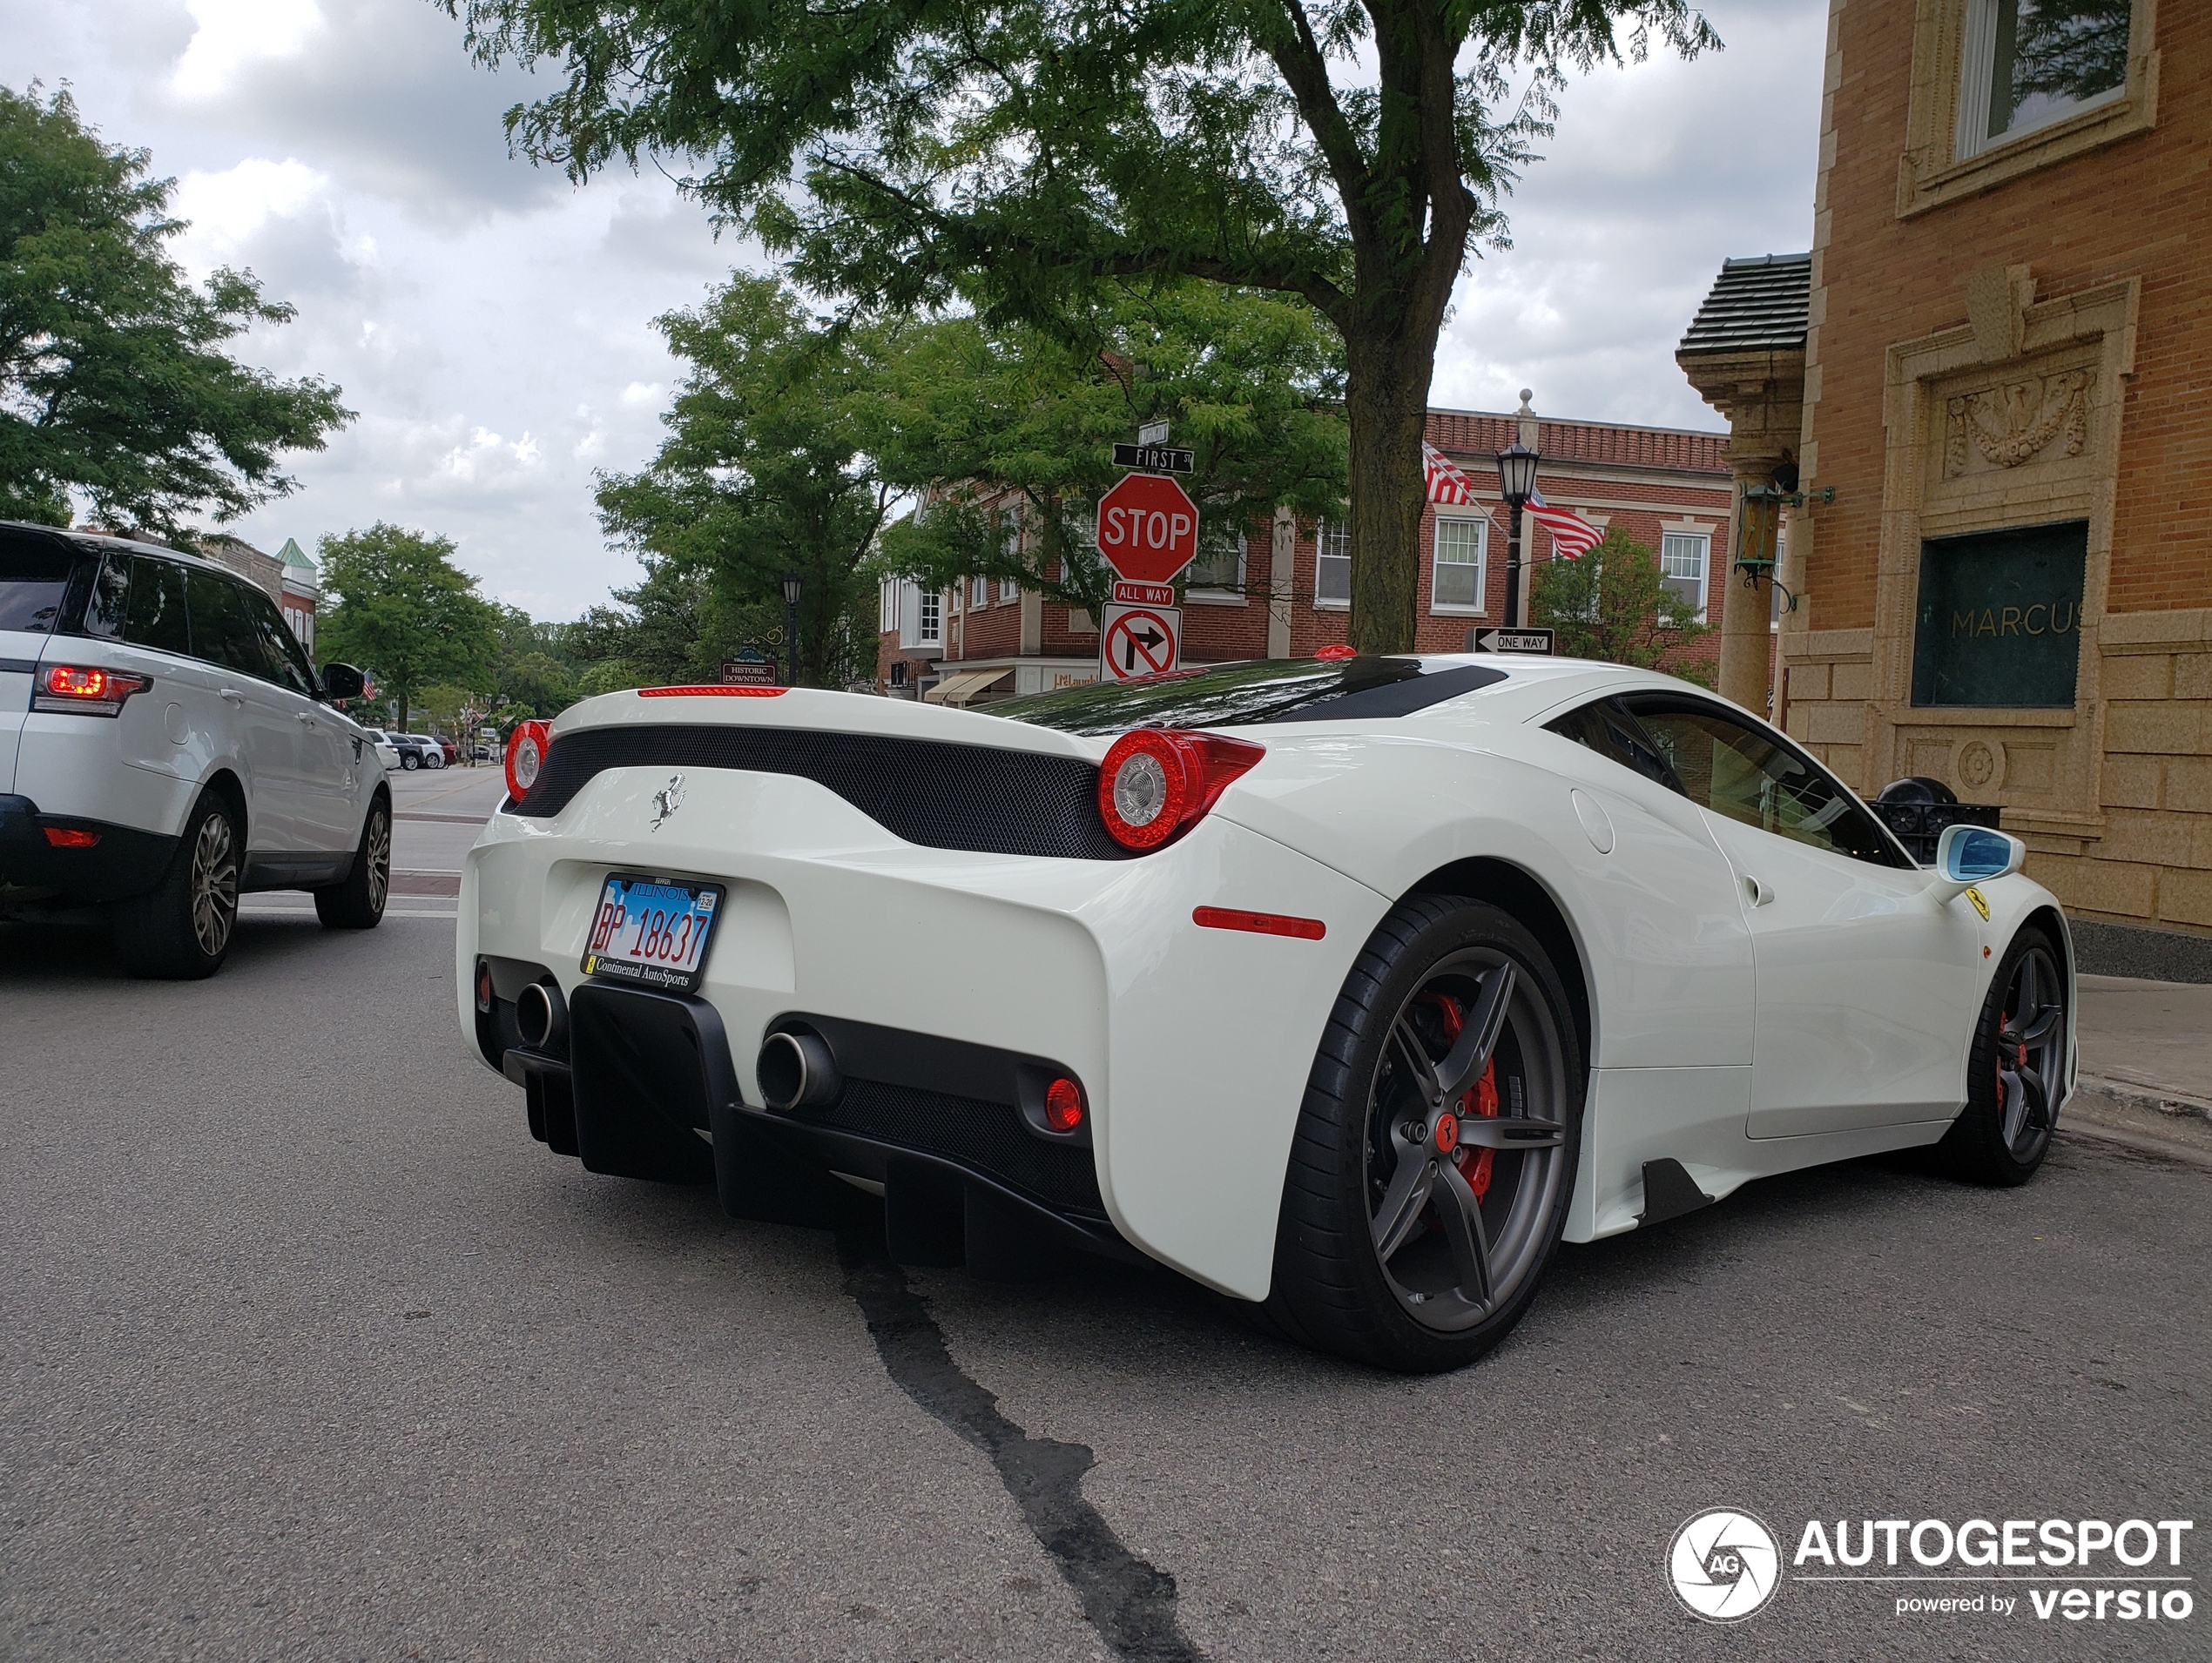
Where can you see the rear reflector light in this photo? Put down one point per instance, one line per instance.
(1063, 1105)
(526, 750)
(483, 987)
(67, 837)
(85, 690)
(1155, 784)
(711, 691)
(1229, 918)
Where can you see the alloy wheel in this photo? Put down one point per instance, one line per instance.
(2031, 1054)
(379, 851)
(214, 884)
(1466, 1142)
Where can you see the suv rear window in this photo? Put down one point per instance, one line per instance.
(34, 582)
(1268, 689)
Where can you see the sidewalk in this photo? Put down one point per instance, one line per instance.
(2146, 1078)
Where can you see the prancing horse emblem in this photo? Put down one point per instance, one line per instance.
(667, 800)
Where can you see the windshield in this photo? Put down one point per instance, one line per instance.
(1272, 690)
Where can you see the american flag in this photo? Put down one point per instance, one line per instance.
(1445, 482)
(1572, 536)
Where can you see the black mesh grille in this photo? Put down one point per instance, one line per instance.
(976, 798)
(984, 1136)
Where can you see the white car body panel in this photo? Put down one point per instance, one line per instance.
(1194, 1045)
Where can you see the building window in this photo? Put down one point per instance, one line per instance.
(929, 626)
(1460, 546)
(1010, 535)
(2000, 624)
(886, 604)
(2026, 63)
(1333, 564)
(1218, 572)
(1682, 556)
(979, 593)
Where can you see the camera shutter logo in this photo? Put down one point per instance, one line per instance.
(1724, 1565)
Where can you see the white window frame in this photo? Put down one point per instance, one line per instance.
(1323, 535)
(979, 595)
(1010, 545)
(1217, 595)
(1700, 534)
(887, 606)
(1977, 87)
(929, 620)
(1481, 563)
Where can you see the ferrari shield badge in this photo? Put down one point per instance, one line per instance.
(1981, 905)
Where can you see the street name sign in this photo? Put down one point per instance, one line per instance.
(1155, 459)
(1139, 641)
(1148, 529)
(1530, 640)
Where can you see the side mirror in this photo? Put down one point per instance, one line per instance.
(341, 682)
(1966, 855)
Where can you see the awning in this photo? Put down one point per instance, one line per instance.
(959, 688)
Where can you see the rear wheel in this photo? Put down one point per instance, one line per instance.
(2016, 1074)
(410, 761)
(182, 929)
(1436, 1148)
(358, 903)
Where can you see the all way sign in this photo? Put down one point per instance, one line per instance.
(1533, 641)
(1139, 641)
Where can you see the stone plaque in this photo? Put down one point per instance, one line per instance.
(1999, 624)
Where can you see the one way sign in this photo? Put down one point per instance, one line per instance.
(1139, 641)
(1535, 641)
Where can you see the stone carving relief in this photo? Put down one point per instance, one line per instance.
(2016, 422)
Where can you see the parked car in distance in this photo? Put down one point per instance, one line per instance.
(418, 751)
(451, 750)
(166, 746)
(386, 752)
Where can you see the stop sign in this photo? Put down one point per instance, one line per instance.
(1148, 529)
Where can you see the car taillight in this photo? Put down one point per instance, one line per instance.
(713, 689)
(526, 750)
(71, 836)
(1063, 1105)
(85, 690)
(1155, 784)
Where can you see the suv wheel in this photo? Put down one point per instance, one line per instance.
(409, 760)
(182, 929)
(358, 904)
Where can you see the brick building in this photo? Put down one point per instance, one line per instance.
(1286, 590)
(2002, 373)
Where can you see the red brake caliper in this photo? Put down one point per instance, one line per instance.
(1473, 1164)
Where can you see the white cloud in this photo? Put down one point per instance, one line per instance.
(232, 34)
(227, 208)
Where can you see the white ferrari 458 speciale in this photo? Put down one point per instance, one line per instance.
(1349, 985)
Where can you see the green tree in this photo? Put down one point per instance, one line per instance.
(405, 612)
(764, 471)
(538, 681)
(113, 382)
(1611, 605)
(1252, 382)
(1354, 155)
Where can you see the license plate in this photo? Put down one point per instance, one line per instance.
(651, 931)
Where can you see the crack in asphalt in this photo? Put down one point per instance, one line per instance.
(1130, 1602)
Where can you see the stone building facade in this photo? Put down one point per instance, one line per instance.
(1285, 592)
(2003, 380)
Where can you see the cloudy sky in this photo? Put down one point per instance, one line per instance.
(492, 324)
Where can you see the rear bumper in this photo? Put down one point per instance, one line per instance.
(34, 873)
(1192, 1045)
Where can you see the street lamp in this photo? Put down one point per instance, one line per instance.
(1517, 480)
(790, 628)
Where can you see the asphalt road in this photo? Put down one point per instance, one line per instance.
(307, 1351)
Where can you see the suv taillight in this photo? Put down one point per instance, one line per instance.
(1155, 784)
(85, 690)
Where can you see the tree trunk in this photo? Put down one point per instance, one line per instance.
(1386, 401)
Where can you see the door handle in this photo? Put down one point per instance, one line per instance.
(232, 694)
(1761, 893)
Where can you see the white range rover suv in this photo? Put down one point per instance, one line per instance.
(166, 746)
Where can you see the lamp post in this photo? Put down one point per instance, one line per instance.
(790, 628)
(1516, 479)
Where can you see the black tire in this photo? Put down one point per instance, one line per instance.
(410, 761)
(181, 930)
(358, 904)
(2016, 1072)
(1378, 1257)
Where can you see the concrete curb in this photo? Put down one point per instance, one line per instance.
(2135, 1096)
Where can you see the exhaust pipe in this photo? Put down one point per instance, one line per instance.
(796, 1071)
(541, 1016)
